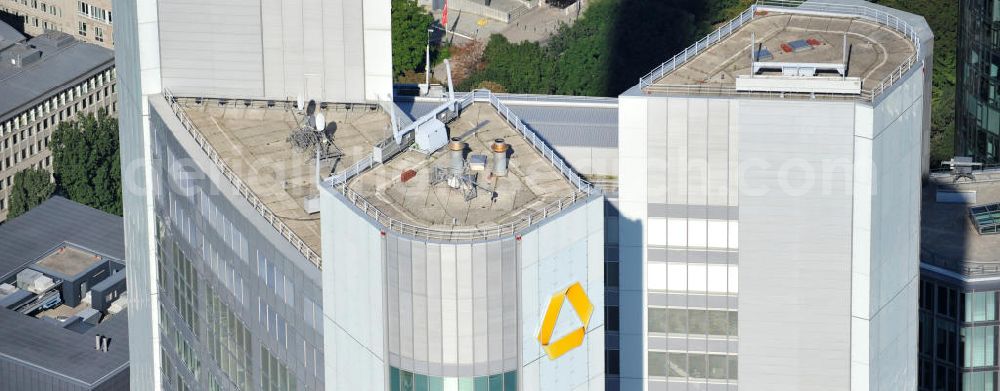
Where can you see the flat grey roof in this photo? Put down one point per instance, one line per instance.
(35, 342)
(875, 51)
(26, 238)
(531, 184)
(948, 235)
(69, 260)
(252, 141)
(9, 36)
(63, 62)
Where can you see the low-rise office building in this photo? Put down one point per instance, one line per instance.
(46, 80)
(89, 21)
(960, 280)
(63, 301)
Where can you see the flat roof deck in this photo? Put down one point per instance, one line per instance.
(253, 141)
(532, 182)
(946, 229)
(875, 51)
(69, 261)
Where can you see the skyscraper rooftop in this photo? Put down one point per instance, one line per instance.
(789, 45)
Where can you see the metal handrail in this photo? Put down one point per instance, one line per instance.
(583, 189)
(238, 183)
(691, 51)
(966, 268)
(864, 12)
(459, 234)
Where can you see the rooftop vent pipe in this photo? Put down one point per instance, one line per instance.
(457, 166)
(499, 157)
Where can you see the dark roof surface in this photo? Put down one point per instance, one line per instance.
(9, 36)
(30, 236)
(64, 61)
(35, 342)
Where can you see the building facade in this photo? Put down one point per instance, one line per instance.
(764, 234)
(220, 298)
(88, 21)
(769, 214)
(977, 106)
(46, 80)
(959, 282)
(48, 336)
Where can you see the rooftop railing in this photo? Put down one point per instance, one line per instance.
(238, 183)
(583, 190)
(647, 82)
(967, 269)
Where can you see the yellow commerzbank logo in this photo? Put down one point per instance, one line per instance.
(583, 308)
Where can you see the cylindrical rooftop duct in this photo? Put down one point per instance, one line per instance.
(457, 148)
(499, 157)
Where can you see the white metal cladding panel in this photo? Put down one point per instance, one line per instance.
(132, 59)
(632, 181)
(566, 250)
(795, 244)
(293, 46)
(354, 51)
(335, 79)
(378, 50)
(467, 325)
(718, 152)
(353, 283)
(272, 48)
(656, 146)
(895, 238)
(211, 47)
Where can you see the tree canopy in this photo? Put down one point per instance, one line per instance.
(85, 158)
(617, 41)
(943, 17)
(409, 35)
(31, 187)
(603, 53)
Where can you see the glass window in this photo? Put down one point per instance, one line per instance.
(435, 383)
(611, 318)
(733, 366)
(697, 322)
(657, 364)
(718, 322)
(611, 362)
(678, 365)
(419, 382)
(717, 366)
(657, 320)
(510, 381)
(481, 383)
(677, 321)
(697, 366)
(496, 383)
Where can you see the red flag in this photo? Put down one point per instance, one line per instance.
(444, 16)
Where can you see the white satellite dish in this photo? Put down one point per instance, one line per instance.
(301, 103)
(320, 122)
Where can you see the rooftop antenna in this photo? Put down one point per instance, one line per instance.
(753, 52)
(962, 167)
(451, 87)
(320, 121)
(846, 51)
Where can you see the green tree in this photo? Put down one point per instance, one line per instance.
(409, 35)
(31, 187)
(85, 157)
(943, 17)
